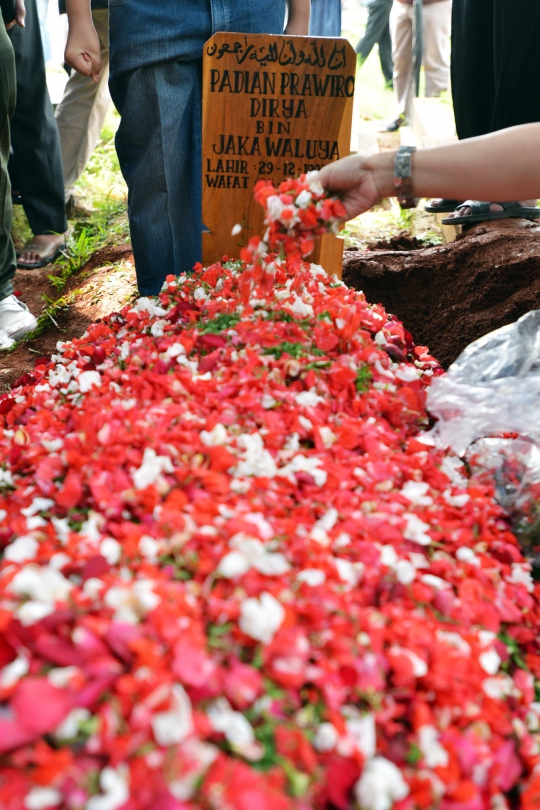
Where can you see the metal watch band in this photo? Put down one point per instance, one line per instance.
(403, 177)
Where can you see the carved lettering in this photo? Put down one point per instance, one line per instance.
(242, 81)
(226, 181)
(273, 107)
(277, 108)
(237, 145)
(227, 166)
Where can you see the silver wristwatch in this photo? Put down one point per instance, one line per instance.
(403, 177)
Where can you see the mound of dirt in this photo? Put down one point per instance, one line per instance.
(401, 241)
(101, 287)
(449, 295)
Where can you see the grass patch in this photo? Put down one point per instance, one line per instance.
(48, 316)
(107, 227)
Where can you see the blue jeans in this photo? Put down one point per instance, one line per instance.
(156, 49)
(159, 148)
(325, 18)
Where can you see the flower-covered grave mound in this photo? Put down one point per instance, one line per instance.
(234, 575)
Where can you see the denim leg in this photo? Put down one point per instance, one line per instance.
(159, 149)
(325, 18)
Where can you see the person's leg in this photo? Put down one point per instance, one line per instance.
(376, 28)
(7, 106)
(15, 320)
(516, 40)
(83, 108)
(498, 42)
(159, 148)
(385, 53)
(472, 71)
(325, 18)
(401, 27)
(517, 45)
(36, 162)
(437, 19)
(472, 65)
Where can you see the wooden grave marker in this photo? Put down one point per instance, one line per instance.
(273, 107)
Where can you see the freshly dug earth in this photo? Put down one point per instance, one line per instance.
(101, 287)
(401, 241)
(451, 295)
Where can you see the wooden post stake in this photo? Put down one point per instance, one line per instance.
(273, 107)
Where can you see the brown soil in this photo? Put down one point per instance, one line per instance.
(401, 241)
(450, 295)
(100, 288)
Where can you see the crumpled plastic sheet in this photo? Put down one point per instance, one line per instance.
(493, 388)
(512, 466)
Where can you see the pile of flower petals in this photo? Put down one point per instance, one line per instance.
(235, 577)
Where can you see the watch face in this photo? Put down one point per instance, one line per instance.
(403, 177)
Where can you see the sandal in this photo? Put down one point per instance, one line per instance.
(445, 207)
(481, 212)
(33, 247)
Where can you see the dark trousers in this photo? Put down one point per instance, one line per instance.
(495, 48)
(35, 165)
(8, 261)
(378, 32)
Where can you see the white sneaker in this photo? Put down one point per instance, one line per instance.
(15, 318)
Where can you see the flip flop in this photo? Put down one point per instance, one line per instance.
(45, 260)
(481, 212)
(445, 207)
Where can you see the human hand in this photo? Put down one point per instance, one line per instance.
(83, 52)
(20, 14)
(359, 181)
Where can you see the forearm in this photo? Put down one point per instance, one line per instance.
(502, 166)
(78, 11)
(299, 11)
(83, 48)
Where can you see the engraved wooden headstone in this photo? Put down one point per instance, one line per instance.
(273, 107)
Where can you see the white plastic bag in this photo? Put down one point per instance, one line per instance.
(493, 388)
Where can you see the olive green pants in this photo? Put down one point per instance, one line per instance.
(8, 259)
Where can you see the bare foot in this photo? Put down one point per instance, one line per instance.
(39, 249)
(439, 202)
(466, 211)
